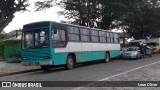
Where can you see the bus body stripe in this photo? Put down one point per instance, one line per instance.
(86, 47)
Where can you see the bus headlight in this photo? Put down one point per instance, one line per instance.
(47, 57)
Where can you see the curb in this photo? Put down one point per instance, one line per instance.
(18, 72)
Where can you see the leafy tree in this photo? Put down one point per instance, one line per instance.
(139, 18)
(8, 8)
(142, 18)
(88, 12)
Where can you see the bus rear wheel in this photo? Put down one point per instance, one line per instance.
(70, 63)
(107, 58)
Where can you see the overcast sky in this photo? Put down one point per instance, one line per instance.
(28, 17)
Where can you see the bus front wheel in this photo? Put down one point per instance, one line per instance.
(70, 63)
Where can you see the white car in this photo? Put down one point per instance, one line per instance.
(132, 53)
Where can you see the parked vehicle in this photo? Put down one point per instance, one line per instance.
(123, 49)
(157, 40)
(154, 43)
(144, 49)
(49, 44)
(132, 53)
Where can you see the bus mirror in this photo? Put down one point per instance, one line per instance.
(55, 31)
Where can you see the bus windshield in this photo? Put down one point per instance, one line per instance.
(35, 39)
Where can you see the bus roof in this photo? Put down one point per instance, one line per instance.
(53, 22)
(36, 22)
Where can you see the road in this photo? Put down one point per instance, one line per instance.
(92, 72)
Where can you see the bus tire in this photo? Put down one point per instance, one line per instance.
(107, 58)
(70, 62)
(45, 68)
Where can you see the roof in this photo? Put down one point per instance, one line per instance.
(2, 32)
(11, 39)
(64, 24)
(15, 31)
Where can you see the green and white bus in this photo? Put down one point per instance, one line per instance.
(50, 43)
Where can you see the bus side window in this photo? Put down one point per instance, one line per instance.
(58, 37)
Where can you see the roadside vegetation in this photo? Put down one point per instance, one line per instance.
(138, 18)
(2, 44)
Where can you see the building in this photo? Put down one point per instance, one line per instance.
(16, 33)
(3, 34)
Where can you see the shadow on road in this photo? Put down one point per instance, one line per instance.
(79, 65)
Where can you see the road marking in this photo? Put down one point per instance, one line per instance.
(79, 88)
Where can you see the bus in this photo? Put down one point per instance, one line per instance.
(49, 44)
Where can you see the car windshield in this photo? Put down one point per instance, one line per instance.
(132, 49)
(37, 38)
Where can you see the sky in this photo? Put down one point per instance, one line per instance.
(26, 17)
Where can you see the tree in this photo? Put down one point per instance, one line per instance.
(138, 18)
(8, 8)
(88, 12)
(142, 20)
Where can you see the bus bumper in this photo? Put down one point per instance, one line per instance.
(37, 63)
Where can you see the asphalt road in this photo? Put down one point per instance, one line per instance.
(92, 72)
